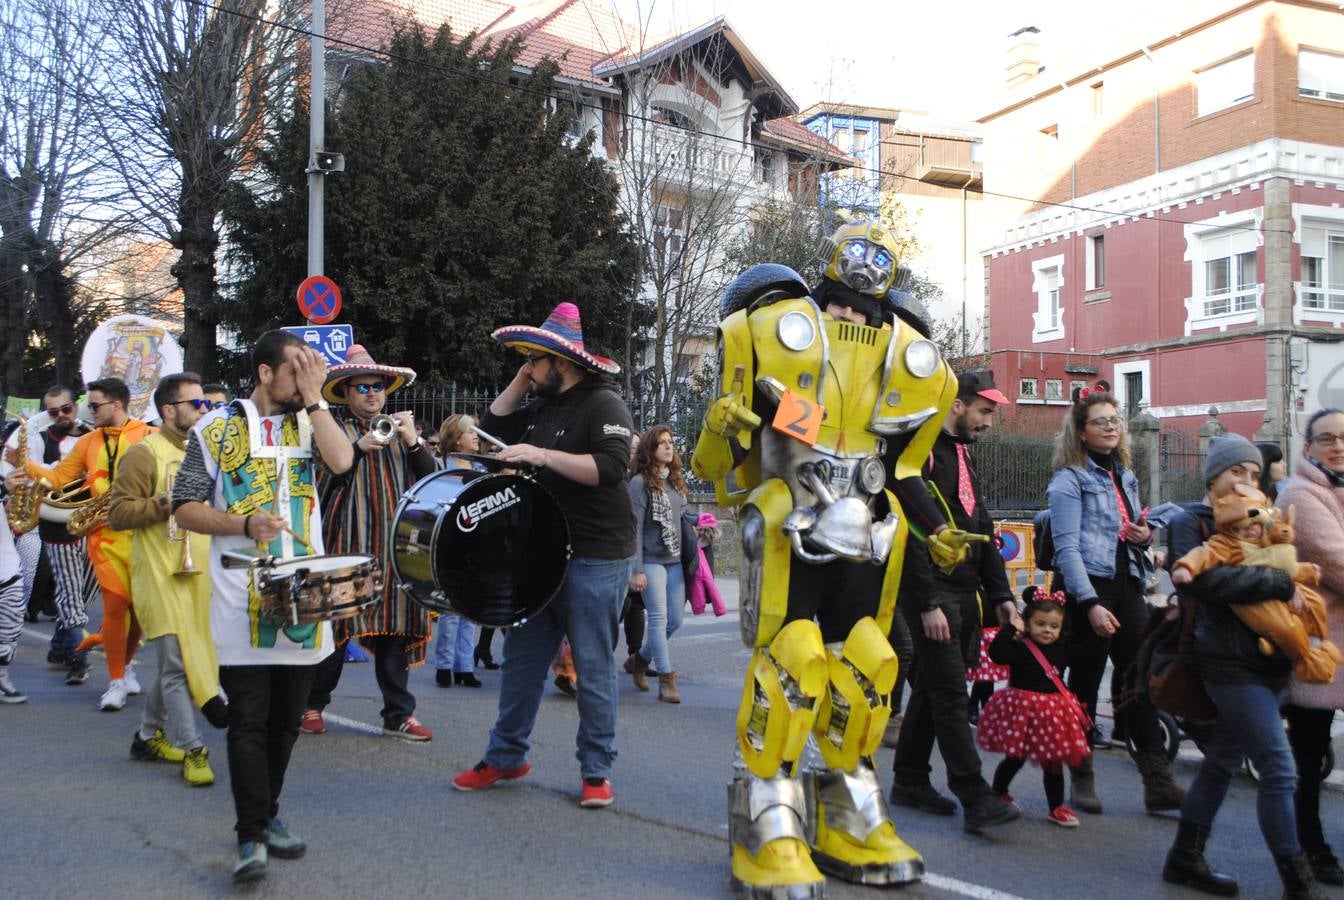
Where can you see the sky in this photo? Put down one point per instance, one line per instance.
(946, 58)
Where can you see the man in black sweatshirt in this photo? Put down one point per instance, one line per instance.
(945, 625)
(576, 432)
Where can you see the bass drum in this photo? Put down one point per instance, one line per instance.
(492, 548)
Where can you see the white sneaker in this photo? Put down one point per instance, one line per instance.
(8, 692)
(114, 698)
(133, 688)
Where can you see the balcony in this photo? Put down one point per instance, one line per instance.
(679, 156)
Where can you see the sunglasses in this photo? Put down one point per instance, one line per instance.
(97, 405)
(1105, 422)
(65, 410)
(432, 443)
(201, 404)
(376, 387)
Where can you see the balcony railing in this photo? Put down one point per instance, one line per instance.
(677, 155)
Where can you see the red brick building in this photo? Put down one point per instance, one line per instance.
(1184, 236)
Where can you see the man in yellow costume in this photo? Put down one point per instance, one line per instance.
(823, 396)
(171, 586)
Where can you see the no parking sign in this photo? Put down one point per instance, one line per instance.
(319, 299)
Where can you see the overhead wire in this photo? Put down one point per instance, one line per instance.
(695, 132)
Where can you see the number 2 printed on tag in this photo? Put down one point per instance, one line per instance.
(798, 417)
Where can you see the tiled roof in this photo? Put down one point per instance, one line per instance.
(369, 23)
(578, 33)
(786, 129)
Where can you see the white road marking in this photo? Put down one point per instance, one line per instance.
(966, 888)
(356, 725)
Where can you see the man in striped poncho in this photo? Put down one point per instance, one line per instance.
(358, 508)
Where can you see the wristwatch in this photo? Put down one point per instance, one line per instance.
(321, 404)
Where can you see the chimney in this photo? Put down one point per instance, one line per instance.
(1024, 55)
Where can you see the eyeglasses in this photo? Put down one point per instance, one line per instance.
(201, 404)
(533, 360)
(97, 405)
(65, 410)
(1327, 439)
(1105, 422)
(218, 404)
(376, 387)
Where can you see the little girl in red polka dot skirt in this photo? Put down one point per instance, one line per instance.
(1036, 719)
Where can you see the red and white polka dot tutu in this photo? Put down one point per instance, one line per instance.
(987, 669)
(1033, 726)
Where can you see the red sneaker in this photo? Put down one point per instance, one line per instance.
(596, 793)
(410, 730)
(484, 775)
(1006, 798)
(1063, 816)
(312, 723)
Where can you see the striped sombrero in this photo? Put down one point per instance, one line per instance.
(358, 361)
(561, 334)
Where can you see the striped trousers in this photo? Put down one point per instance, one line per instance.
(12, 609)
(76, 588)
(29, 546)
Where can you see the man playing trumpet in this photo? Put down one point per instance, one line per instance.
(359, 508)
(172, 596)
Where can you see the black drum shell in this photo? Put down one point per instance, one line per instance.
(491, 548)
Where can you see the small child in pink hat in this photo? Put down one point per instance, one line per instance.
(703, 588)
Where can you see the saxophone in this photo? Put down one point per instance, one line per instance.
(24, 502)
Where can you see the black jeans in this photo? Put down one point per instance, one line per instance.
(1089, 652)
(265, 705)
(937, 707)
(390, 667)
(1309, 736)
(904, 646)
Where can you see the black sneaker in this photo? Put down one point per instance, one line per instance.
(1097, 738)
(988, 810)
(79, 672)
(923, 797)
(58, 658)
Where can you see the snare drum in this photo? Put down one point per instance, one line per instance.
(318, 588)
(491, 548)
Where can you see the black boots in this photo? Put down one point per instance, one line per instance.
(1324, 865)
(1298, 882)
(1186, 863)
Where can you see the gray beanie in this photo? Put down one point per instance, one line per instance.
(1227, 451)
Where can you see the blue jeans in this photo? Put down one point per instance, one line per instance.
(1248, 724)
(455, 643)
(586, 609)
(664, 602)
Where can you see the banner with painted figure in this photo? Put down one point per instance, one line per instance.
(137, 350)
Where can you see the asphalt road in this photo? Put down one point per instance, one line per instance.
(380, 817)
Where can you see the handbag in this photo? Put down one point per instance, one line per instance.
(690, 547)
(1083, 719)
(1173, 684)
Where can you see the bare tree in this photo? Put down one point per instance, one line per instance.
(57, 205)
(183, 112)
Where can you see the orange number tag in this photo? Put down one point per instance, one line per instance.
(798, 417)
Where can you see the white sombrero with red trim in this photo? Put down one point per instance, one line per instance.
(561, 334)
(359, 362)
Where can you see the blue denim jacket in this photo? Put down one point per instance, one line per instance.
(1085, 524)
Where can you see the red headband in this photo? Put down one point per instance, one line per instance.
(1040, 596)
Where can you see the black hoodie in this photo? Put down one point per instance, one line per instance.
(589, 418)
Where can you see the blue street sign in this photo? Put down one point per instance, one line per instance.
(332, 341)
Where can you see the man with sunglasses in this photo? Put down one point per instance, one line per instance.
(359, 506)
(67, 555)
(94, 460)
(173, 605)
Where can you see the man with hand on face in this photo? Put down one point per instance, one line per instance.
(248, 480)
(360, 508)
(173, 606)
(71, 570)
(945, 624)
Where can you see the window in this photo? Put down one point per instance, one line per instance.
(668, 240)
(1096, 262)
(1320, 75)
(1075, 387)
(1098, 99)
(1054, 389)
(1323, 269)
(1048, 285)
(1225, 84)
(1229, 284)
(1131, 386)
(1026, 388)
(1133, 393)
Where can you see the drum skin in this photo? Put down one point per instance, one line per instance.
(310, 589)
(492, 548)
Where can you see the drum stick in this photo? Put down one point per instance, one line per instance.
(489, 437)
(298, 537)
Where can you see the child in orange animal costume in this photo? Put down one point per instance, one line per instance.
(1252, 533)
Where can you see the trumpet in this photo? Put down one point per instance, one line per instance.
(383, 428)
(178, 534)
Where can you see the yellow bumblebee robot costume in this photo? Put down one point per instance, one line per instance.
(815, 414)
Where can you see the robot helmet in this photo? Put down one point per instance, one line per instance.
(862, 255)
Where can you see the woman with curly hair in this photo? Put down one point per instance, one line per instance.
(657, 498)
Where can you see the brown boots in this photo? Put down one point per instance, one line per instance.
(1160, 790)
(1083, 787)
(636, 666)
(667, 688)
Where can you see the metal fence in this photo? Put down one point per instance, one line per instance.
(1181, 466)
(432, 405)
